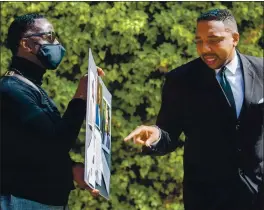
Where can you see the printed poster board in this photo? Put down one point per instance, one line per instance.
(98, 132)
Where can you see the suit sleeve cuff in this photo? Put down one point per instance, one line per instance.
(156, 141)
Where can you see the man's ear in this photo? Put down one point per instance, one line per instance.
(235, 38)
(24, 44)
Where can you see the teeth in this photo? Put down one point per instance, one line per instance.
(210, 59)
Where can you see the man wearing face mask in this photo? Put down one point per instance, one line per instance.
(36, 169)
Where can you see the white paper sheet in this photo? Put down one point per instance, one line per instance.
(98, 159)
(106, 173)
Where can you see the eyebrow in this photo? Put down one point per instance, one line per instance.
(212, 36)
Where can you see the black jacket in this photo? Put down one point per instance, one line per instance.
(223, 156)
(35, 139)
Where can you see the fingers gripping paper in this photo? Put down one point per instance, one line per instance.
(98, 132)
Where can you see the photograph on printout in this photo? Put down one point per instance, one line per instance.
(98, 132)
(106, 129)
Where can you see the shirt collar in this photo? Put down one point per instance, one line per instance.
(231, 66)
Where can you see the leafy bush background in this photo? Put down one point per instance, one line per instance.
(135, 43)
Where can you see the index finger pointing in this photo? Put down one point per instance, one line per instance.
(133, 133)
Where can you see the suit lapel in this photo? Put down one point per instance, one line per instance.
(249, 79)
(209, 84)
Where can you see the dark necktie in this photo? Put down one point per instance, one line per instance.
(227, 88)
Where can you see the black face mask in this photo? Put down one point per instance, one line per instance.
(50, 55)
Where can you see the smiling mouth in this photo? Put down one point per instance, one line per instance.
(210, 60)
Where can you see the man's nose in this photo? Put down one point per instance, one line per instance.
(206, 47)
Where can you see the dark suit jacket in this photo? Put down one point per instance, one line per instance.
(220, 151)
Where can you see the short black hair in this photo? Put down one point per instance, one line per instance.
(223, 15)
(18, 28)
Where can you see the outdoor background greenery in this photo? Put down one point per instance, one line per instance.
(135, 43)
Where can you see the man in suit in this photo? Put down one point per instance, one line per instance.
(217, 101)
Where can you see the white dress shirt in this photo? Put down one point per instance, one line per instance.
(235, 78)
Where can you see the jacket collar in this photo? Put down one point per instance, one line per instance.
(249, 78)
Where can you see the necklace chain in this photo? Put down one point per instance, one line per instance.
(41, 91)
(17, 71)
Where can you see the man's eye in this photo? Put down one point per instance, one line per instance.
(50, 37)
(214, 41)
(197, 41)
(46, 37)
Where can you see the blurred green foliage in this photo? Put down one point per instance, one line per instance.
(135, 43)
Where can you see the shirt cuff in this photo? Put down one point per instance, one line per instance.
(156, 141)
